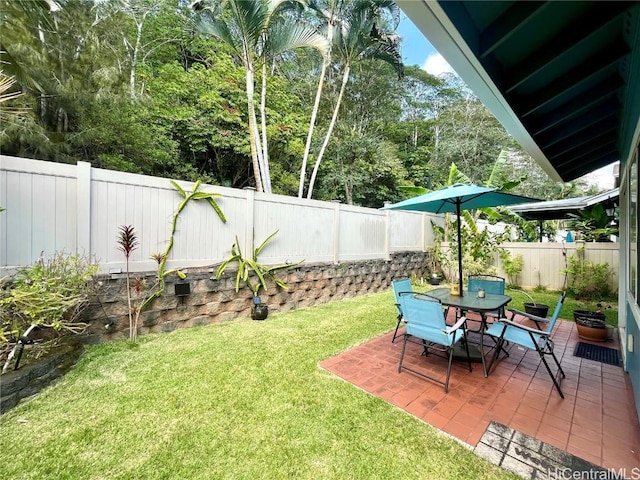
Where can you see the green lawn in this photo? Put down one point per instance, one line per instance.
(242, 399)
(609, 307)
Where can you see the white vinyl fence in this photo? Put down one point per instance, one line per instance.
(52, 207)
(545, 262)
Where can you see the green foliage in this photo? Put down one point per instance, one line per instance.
(50, 294)
(250, 267)
(468, 134)
(593, 224)
(511, 265)
(180, 108)
(587, 279)
(127, 242)
(480, 249)
(360, 169)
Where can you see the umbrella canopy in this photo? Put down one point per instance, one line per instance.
(456, 198)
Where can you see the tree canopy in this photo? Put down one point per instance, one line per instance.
(137, 86)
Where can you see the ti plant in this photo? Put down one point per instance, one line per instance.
(249, 265)
(127, 243)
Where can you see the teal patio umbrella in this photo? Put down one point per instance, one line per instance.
(456, 198)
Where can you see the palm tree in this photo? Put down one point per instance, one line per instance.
(331, 16)
(359, 35)
(256, 30)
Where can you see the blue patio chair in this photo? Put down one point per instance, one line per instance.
(538, 339)
(490, 284)
(426, 325)
(400, 285)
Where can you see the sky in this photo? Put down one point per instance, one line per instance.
(416, 50)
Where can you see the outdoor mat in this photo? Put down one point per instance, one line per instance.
(589, 351)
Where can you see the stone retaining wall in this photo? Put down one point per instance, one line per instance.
(30, 378)
(214, 300)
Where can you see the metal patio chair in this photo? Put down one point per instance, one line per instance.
(426, 326)
(400, 285)
(490, 284)
(538, 339)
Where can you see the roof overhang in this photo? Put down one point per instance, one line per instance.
(565, 208)
(561, 76)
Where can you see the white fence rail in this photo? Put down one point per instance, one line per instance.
(52, 207)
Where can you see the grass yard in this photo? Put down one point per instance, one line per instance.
(243, 400)
(609, 306)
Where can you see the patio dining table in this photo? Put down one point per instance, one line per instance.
(470, 301)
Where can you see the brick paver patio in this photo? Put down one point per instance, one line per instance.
(596, 421)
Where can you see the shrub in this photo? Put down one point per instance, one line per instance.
(49, 294)
(512, 265)
(587, 279)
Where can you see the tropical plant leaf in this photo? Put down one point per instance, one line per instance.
(217, 209)
(179, 189)
(258, 250)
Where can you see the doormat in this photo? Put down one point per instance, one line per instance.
(589, 351)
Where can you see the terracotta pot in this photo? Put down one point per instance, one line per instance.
(591, 325)
(592, 333)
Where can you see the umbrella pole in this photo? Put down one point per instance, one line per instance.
(459, 248)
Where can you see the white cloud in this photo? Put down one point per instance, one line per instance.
(435, 64)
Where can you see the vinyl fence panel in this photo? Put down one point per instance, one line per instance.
(40, 202)
(362, 233)
(52, 207)
(305, 229)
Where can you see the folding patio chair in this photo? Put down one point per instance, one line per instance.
(538, 339)
(490, 284)
(426, 325)
(400, 285)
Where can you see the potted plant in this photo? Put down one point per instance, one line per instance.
(591, 325)
(255, 274)
(435, 276)
(533, 308)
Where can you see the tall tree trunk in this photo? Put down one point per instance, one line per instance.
(314, 112)
(332, 124)
(347, 191)
(263, 119)
(254, 138)
(134, 57)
